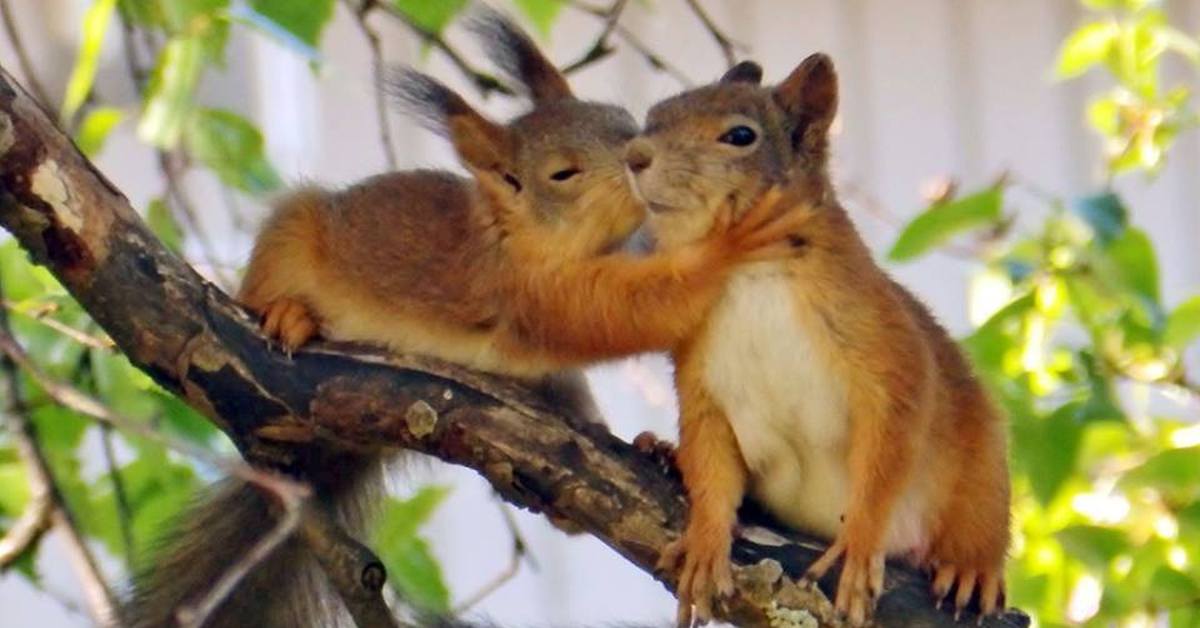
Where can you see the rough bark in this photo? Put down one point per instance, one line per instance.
(196, 342)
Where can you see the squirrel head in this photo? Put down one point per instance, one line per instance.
(729, 141)
(554, 176)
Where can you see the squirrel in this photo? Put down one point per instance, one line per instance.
(817, 385)
(512, 271)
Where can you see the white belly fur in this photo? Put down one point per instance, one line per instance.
(771, 374)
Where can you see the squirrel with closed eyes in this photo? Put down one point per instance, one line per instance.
(817, 385)
(511, 270)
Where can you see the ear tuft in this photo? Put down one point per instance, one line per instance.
(744, 72)
(480, 143)
(811, 90)
(517, 56)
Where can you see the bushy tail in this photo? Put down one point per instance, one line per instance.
(286, 589)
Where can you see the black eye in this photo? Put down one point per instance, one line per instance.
(740, 135)
(566, 173)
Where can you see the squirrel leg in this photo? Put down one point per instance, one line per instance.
(883, 435)
(715, 477)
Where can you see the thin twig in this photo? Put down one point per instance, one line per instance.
(484, 82)
(14, 38)
(520, 549)
(194, 615)
(177, 193)
(601, 48)
(652, 58)
(28, 529)
(722, 40)
(378, 70)
(124, 512)
(42, 314)
(42, 486)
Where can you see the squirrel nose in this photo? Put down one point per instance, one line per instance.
(638, 155)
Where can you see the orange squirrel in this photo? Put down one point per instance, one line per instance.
(506, 272)
(817, 384)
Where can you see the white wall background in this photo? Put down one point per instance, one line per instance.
(930, 89)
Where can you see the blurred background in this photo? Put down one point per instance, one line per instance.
(1030, 168)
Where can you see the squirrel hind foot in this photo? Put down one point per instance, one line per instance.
(987, 586)
(289, 322)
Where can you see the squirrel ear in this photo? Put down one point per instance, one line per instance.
(810, 91)
(479, 142)
(517, 56)
(744, 72)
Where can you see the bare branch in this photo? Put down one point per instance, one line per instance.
(485, 83)
(356, 573)
(378, 72)
(124, 512)
(520, 549)
(23, 60)
(46, 499)
(601, 48)
(722, 40)
(653, 59)
(195, 341)
(42, 314)
(193, 616)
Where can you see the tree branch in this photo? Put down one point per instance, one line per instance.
(195, 341)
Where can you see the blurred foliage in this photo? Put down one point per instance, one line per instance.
(1139, 117)
(1080, 349)
(1074, 337)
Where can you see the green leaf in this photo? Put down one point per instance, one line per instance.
(1049, 449)
(1170, 588)
(14, 486)
(1105, 213)
(944, 220)
(1175, 471)
(430, 15)
(231, 147)
(1136, 264)
(1086, 47)
(304, 20)
(162, 222)
(142, 12)
(1096, 546)
(95, 24)
(169, 95)
(94, 129)
(411, 567)
(541, 12)
(1183, 325)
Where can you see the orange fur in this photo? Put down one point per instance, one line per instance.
(854, 413)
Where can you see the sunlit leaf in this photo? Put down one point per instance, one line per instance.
(1183, 325)
(430, 15)
(1170, 588)
(95, 24)
(541, 12)
(411, 566)
(14, 485)
(169, 94)
(1085, 48)
(95, 128)
(1048, 448)
(944, 220)
(231, 147)
(304, 20)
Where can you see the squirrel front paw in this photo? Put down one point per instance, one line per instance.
(289, 322)
(860, 584)
(705, 571)
(770, 229)
(661, 451)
